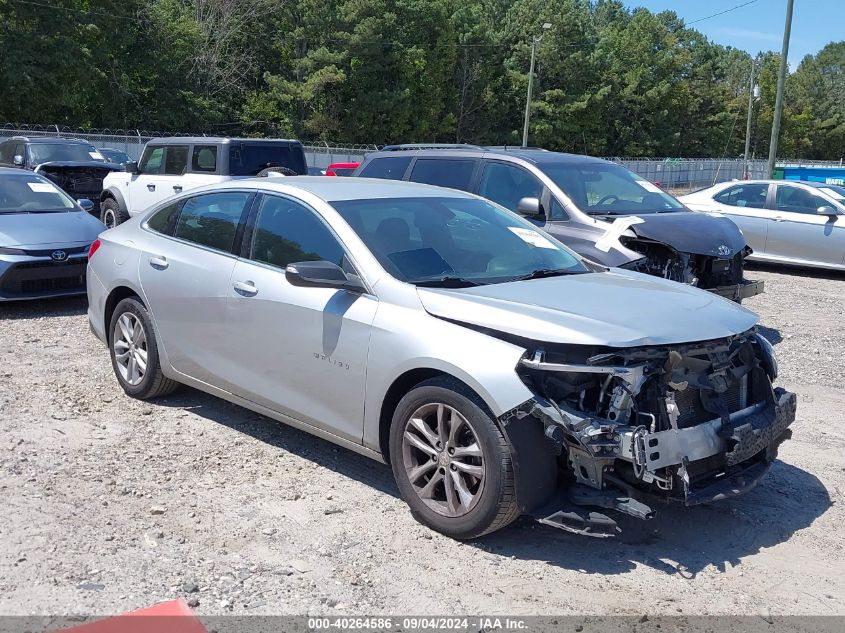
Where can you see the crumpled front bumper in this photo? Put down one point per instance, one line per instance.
(738, 292)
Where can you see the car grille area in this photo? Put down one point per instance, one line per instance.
(45, 277)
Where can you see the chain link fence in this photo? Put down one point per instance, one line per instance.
(677, 175)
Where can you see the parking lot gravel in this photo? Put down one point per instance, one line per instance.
(111, 504)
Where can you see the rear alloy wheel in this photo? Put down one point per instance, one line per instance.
(111, 214)
(134, 352)
(451, 461)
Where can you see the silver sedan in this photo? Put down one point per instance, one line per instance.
(434, 330)
(787, 222)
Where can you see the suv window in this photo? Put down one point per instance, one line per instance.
(176, 160)
(389, 168)
(752, 196)
(152, 161)
(444, 172)
(164, 220)
(247, 159)
(6, 152)
(507, 184)
(212, 219)
(204, 158)
(798, 200)
(288, 232)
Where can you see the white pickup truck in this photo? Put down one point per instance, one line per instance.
(169, 166)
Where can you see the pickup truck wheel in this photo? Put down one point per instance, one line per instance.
(134, 352)
(111, 214)
(451, 461)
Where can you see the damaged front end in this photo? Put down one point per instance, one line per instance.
(79, 179)
(688, 423)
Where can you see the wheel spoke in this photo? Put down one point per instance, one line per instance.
(427, 491)
(442, 424)
(416, 442)
(132, 370)
(137, 332)
(461, 487)
(420, 425)
(419, 471)
(470, 469)
(142, 355)
(121, 358)
(121, 344)
(125, 327)
(473, 450)
(453, 501)
(141, 363)
(457, 424)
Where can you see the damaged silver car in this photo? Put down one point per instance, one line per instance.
(494, 369)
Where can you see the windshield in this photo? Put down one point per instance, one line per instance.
(455, 241)
(837, 192)
(27, 193)
(608, 189)
(48, 152)
(115, 156)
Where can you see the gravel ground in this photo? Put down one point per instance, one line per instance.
(114, 504)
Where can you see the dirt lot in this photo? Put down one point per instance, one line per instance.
(113, 504)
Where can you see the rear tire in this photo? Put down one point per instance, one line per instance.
(111, 213)
(442, 434)
(134, 352)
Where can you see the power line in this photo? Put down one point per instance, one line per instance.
(739, 6)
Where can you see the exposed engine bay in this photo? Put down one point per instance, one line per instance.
(686, 423)
(80, 180)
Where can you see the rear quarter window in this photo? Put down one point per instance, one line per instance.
(249, 159)
(387, 168)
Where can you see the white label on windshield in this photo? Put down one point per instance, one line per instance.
(833, 194)
(612, 235)
(648, 186)
(42, 187)
(96, 155)
(531, 237)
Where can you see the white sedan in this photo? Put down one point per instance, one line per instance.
(787, 222)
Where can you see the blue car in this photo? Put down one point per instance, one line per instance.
(44, 238)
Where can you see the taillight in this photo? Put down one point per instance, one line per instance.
(94, 246)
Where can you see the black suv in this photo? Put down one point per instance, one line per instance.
(599, 209)
(75, 166)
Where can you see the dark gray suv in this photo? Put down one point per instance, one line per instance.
(598, 208)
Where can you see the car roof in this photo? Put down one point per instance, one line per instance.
(532, 155)
(209, 140)
(783, 181)
(48, 139)
(332, 189)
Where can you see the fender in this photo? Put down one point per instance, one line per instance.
(114, 192)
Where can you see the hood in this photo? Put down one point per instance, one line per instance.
(41, 229)
(616, 309)
(689, 232)
(68, 165)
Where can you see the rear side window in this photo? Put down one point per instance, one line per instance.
(212, 219)
(246, 159)
(204, 158)
(388, 168)
(176, 160)
(288, 232)
(164, 220)
(445, 172)
(751, 195)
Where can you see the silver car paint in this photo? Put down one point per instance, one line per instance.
(781, 236)
(403, 337)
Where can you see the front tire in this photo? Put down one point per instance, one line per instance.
(134, 352)
(111, 214)
(451, 461)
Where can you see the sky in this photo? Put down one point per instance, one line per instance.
(759, 25)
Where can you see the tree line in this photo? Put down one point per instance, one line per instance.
(609, 80)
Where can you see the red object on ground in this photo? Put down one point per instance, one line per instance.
(341, 169)
(173, 617)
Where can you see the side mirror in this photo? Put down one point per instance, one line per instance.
(131, 167)
(827, 210)
(86, 204)
(18, 160)
(322, 275)
(530, 207)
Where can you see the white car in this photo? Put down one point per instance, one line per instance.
(170, 166)
(784, 221)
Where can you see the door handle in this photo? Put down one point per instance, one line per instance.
(177, 188)
(245, 288)
(779, 218)
(151, 187)
(159, 263)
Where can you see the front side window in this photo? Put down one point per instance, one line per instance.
(507, 184)
(176, 160)
(204, 158)
(287, 232)
(152, 162)
(48, 152)
(798, 200)
(608, 189)
(752, 196)
(454, 241)
(388, 168)
(444, 172)
(212, 219)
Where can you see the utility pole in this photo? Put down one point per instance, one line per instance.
(534, 41)
(748, 123)
(773, 144)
